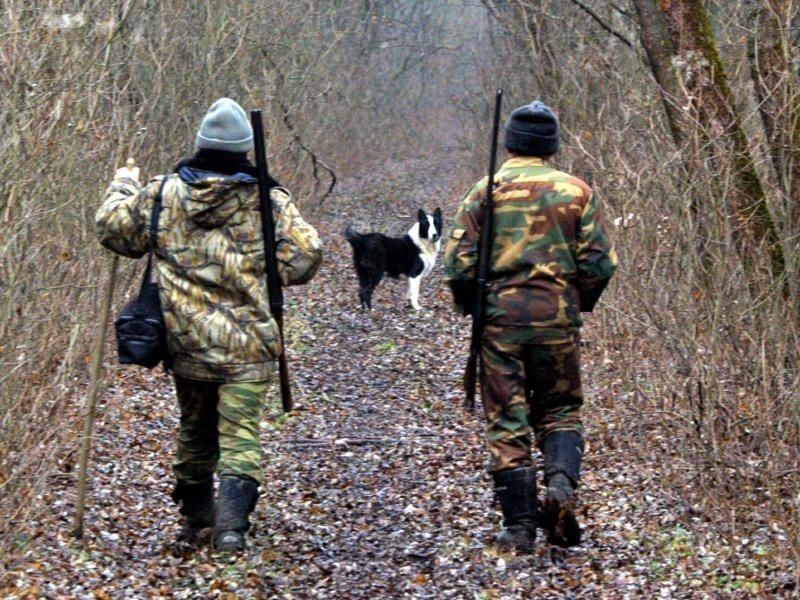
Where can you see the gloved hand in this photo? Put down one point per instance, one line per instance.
(589, 294)
(464, 292)
(129, 171)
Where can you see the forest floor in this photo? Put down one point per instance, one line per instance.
(376, 485)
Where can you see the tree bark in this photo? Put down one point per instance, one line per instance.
(685, 60)
(655, 37)
(777, 89)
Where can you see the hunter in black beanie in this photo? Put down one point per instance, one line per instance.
(550, 258)
(532, 130)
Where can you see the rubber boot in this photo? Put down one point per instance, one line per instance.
(196, 503)
(516, 491)
(236, 499)
(563, 451)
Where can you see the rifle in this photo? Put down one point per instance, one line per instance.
(484, 254)
(268, 228)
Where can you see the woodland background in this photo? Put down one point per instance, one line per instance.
(685, 117)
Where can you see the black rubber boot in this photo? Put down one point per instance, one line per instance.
(516, 491)
(563, 451)
(196, 503)
(236, 499)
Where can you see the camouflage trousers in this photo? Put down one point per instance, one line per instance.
(219, 429)
(530, 384)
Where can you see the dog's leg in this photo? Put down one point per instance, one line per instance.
(365, 297)
(367, 285)
(413, 291)
(365, 293)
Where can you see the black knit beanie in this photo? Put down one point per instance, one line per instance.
(532, 130)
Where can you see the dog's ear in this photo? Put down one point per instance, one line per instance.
(437, 219)
(423, 223)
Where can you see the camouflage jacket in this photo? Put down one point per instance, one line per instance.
(211, 267)
(551, 256)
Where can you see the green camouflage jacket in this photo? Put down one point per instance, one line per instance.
(210, 266)
(551, 256)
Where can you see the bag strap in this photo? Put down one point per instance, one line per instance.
(154, 214)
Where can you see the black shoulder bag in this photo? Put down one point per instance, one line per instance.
(141, 333)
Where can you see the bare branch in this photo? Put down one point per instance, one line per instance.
(603, 24)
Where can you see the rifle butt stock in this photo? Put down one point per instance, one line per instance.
(287, 402)
(470, 373)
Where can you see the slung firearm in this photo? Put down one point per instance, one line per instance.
(484, 256)
(268, 229)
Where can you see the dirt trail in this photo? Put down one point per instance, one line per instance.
(375, 486)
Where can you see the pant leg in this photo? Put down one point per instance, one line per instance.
(556, 395)
(504, 397)
(197, 449)
(240, 409)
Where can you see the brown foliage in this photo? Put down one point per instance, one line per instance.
(697, 357)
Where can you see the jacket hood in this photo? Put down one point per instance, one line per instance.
(213, 197)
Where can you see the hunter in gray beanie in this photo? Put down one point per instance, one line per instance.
(225, 127)
(532, 130)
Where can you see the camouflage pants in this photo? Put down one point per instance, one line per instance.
(219, 429)
(529, 385)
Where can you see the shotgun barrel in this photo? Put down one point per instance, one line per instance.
(268, 228)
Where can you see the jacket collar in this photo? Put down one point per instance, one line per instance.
(194, 176)
(524, 161)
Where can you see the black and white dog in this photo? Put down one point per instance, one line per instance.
(412, 255)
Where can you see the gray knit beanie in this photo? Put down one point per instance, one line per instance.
(225, 127)
(532, 130)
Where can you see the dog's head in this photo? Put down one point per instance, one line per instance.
(430, 227)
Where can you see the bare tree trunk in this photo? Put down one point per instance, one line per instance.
(777, 90)
(655, 38)
(707, 114)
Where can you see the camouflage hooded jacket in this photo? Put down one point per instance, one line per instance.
(551, 257)
(211, 267)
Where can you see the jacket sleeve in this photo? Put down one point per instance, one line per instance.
(596, 257)
(299, 249)
(461, 252)
(122, 221)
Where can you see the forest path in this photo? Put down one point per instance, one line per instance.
(375, 486)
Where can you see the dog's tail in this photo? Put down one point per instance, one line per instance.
(351, 235)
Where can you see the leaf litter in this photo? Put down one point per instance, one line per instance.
(376, 485)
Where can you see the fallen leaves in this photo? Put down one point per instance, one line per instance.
(376, 485)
